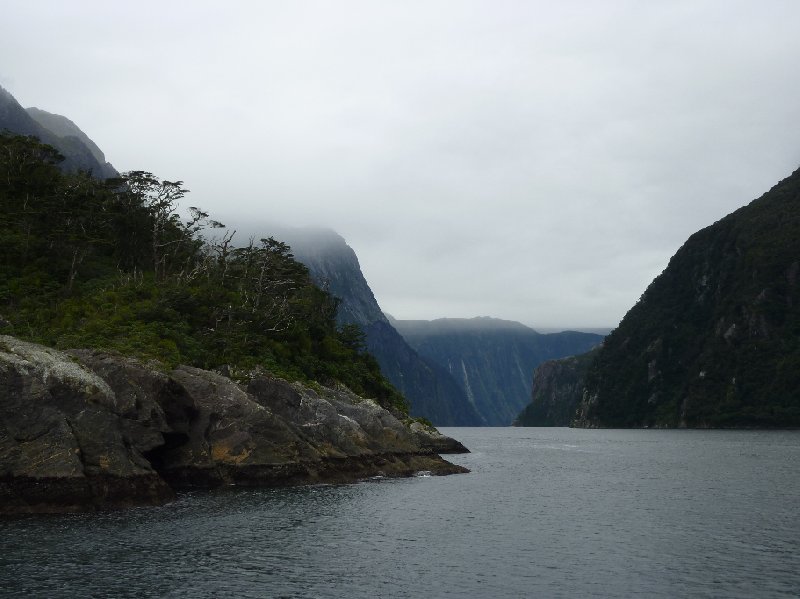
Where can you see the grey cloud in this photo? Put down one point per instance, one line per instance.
(537, 161)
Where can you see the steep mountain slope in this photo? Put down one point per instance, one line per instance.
(715, 339)
(333, 264)
(65, 129)
(57, 131)
(491, 359)
(557, 391)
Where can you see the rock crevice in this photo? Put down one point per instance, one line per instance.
(87, 430)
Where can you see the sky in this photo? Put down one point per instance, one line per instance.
(536, 161)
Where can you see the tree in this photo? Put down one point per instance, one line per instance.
(160, 200)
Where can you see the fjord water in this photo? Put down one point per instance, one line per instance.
(544, 513)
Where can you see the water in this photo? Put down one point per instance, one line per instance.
(545, 513)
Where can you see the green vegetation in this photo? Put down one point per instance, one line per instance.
(715, 339)
(112, 265)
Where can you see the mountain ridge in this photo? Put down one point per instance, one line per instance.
(79, 151)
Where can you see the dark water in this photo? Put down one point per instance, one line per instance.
(545, 513)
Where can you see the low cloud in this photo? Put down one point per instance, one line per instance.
(535, 161)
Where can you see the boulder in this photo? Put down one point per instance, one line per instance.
(429, 438)
(64, 437)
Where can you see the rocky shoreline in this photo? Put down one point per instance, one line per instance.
(87, 430)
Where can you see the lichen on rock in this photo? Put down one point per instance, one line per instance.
(88, 430)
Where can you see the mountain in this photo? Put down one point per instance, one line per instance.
(334, 265)
(714, 341)
(492, 359)
(557, 391)
(80, 152)
(63, 127)
(430, 390)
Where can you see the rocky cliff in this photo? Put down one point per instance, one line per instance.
(713, 341)
(491, 359)
(87, 430)
(557, 391)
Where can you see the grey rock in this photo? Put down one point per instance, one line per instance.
(88, 430)
(430, 438)
(63, 440)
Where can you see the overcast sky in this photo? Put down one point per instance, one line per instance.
(537, 161)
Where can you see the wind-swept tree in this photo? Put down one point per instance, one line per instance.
(159, 198)
(111, 264)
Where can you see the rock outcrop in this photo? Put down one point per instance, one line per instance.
(87, 430)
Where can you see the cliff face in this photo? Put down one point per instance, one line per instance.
(713, 342)
(66, 129)
(334, 266)
(491, 359)
(429, 389)
(80, 152)
(557, 391)
(88, 430)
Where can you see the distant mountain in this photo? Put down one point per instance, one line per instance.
(492, 360)
(80, 152)
(557, 391)
(715, 339)
(429, 389)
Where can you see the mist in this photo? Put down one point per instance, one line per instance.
(530, 161)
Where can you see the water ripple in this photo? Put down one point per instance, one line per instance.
(546, 512)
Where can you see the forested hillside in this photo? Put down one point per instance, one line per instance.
(715, 339)
(112, 264)
(557, 391)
